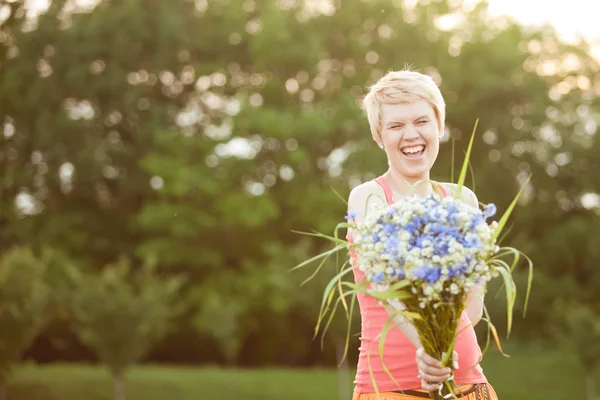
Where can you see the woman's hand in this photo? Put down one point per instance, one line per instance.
(431, 372)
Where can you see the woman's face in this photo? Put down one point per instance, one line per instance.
(410, 138)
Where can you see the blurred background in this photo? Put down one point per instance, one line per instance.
(156, 157)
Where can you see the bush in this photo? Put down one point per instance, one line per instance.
(24, 299)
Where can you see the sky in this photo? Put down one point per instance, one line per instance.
(570, 18)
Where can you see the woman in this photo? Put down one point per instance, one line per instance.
(406, 114)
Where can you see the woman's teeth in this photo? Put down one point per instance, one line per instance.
(413, 150)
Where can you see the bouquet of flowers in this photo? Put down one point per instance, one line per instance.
(427, 253)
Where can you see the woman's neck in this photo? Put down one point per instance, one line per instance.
(404, 186)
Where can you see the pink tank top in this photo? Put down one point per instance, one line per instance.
(398, 352)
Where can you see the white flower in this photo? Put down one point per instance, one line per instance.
(454, 289)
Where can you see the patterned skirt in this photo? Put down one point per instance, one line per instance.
(481, 391)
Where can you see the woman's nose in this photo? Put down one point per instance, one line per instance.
(410, 132)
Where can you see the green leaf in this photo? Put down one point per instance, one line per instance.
(339, 196)
(318, 256)
(348, 328)
(508, 211)
(328, 295)
(452, 161)
(463, 171)
(386, 328)
(316, 271)
(504, 271)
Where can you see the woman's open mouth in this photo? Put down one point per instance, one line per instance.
(413, 151)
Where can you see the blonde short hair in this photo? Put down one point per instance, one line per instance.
(398, 87)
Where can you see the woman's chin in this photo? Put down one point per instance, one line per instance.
(413, 175)
(413, 171)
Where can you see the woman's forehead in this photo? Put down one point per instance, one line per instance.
(406, 111)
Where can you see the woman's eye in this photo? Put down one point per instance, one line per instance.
(423, 122)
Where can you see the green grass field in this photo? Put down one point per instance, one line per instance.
(530, 373)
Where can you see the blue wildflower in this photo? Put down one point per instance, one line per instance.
(458, 270)
(433, 274)
(452, 208)
(454, 218)
(428, 273)
(472, 241)
(418, 242)
(399, 272)
(419, 272)
(490, 210)
(443, 233)
(435, 228)
(452, 232)
(442, 248)
(351, 215)
(434, 214)
(377, 277)
(390, 228)
(392, 246)
(414, 225)
(476, 220)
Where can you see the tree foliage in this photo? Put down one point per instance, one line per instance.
(201, 134)
(24, 300)
(122, 314)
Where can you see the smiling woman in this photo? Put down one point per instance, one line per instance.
(406, 113)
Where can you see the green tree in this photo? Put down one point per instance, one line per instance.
(122, 313)
(575, 313)
(24, 300)
(580, 329)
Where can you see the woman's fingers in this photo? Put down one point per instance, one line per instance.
(433, 366)
(429, 386)
(430, 371)
(427, 359)
(434, 373)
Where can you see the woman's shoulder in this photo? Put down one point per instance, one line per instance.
(367, 193)
(467, 194)
(367, 187)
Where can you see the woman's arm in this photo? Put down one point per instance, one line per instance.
(474, 304)
(476, 295)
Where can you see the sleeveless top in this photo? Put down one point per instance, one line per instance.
(398, 352)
